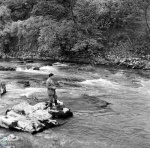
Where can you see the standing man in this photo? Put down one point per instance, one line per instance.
(51, 89)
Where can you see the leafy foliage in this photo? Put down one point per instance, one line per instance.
(73, 28)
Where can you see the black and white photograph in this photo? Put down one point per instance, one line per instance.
(74, 73)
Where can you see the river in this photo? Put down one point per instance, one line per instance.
(124, 124)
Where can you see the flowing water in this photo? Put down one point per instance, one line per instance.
(124, 124)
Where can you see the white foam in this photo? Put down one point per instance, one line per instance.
(144, 89)
(119, 74)
(100, 82)
(42, 70)
(30, 91)
(19, 69)
(60, 64)
(30, 70)
(49, 69)
(145, 83)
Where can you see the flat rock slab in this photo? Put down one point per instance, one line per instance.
(33, 119)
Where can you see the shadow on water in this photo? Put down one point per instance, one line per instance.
(86, 103)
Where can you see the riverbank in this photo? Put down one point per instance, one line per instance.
(131, 63)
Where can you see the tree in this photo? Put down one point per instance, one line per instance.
(52, 8)
(20, 9)
(5, 21)
(144, 5)
(57, 38)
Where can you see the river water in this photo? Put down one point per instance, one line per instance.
(124, 124)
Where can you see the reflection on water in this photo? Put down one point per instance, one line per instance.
(125, 124)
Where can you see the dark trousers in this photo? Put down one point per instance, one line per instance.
(52, 98)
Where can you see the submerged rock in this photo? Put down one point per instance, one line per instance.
(2, 68)
(36, 68)
(29, 61)
(35, 118)
(11, 138)
(24, 83)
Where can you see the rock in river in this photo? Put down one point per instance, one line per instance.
(35, 118)
(11, 138)
(2, 68)
(24, 83)
(36, 68)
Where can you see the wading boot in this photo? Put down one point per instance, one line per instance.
(50, 105)
(56, 102)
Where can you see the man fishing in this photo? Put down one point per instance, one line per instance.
(51, 90)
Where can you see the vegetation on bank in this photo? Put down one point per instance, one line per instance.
(91, 31)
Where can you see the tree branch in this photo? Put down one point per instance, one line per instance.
(146, 18)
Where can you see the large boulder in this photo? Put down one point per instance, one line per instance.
(33, 119)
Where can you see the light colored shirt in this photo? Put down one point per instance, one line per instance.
(50, 84)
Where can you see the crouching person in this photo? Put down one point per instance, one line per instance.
(51, 90)
(2, 88)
